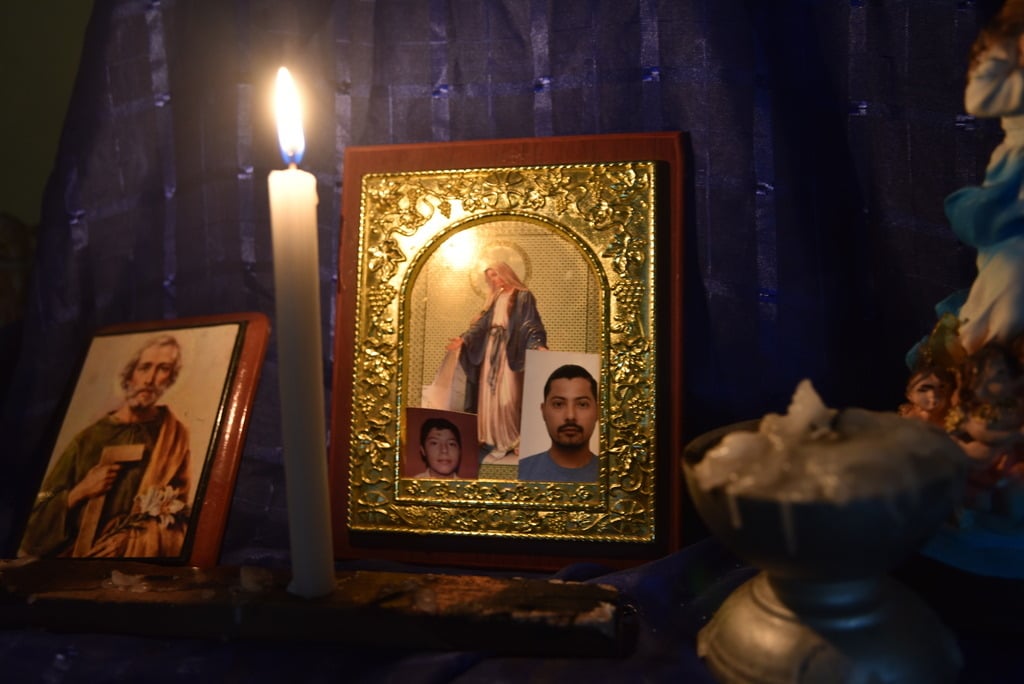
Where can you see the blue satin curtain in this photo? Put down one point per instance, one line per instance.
(822, 138)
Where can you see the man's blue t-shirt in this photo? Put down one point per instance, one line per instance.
(542, 468)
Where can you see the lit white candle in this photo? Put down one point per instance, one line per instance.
(293, 226)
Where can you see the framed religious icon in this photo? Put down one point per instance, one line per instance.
(508, 358)
(145, 461)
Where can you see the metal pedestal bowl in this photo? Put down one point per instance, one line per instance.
(823, 609)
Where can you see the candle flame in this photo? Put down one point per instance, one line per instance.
(289, 118)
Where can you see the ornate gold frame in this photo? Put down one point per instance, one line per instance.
(608, 211)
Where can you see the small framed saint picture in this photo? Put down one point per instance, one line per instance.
(145, 460)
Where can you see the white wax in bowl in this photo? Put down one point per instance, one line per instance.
(818, 454)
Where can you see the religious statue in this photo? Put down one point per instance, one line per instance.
(978, 342)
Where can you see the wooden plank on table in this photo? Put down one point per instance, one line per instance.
(403, 610)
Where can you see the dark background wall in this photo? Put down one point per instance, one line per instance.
(40, 45)
(39, 51)
(822, 138)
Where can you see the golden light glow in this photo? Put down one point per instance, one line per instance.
(459, 251)
(289, 118)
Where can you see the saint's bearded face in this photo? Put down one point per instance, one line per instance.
(151, 376)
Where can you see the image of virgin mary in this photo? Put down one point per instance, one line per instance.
(492, 353)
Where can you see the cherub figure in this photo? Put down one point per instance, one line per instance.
(928, 394)
(988, 423)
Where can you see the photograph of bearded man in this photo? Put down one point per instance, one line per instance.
(570, 411)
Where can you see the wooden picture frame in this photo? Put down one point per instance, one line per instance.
(591, 229)
(169, 403)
